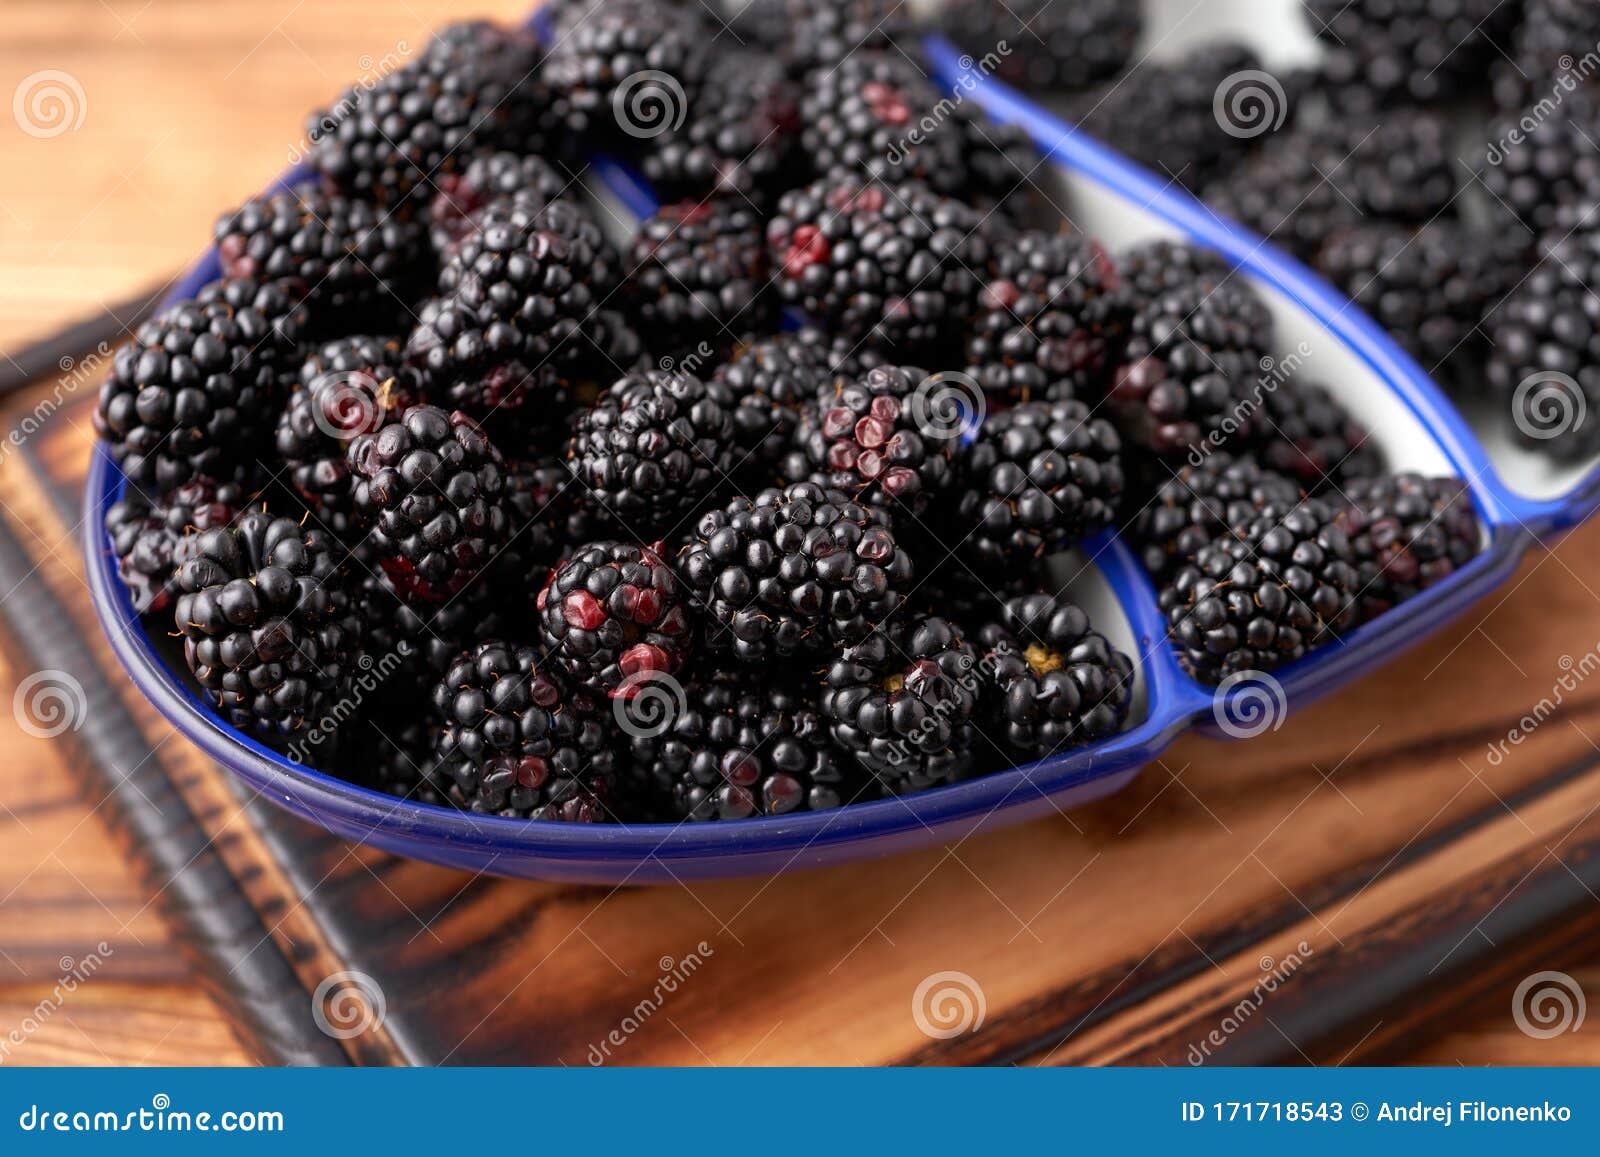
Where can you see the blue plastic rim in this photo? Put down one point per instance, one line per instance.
(664, 853)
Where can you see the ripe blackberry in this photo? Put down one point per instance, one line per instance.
(893, 262)
(1544, 365)
(346, 388)
(738, 140)
(888, 438)
(903, 703)
(864, 116)
(1051, 681)
(513, 296)
(196, 390)
(515, 740)
(1403, 52)
(793, 571)
(475, 87)
(699, 274)
(812, 33)
(950, 587)
(1408, 532)
(737, 751)
(1303, 186)
(1430, 288)
(1039, 478)
(266, 621)
(1190, 368)
(431, 487)
(1307, 434)
(1082, 43)
(1531, 173)
(1049, 319)
(358, 263)
(772, 381)
(1542, 49)
(1152, 269)
(152, 539)
(1261, 600)
(652, 449)
(1165, 115)
(1218, 497)
(614, 614)
(1005, 172)
(531, 182)
(621, 69)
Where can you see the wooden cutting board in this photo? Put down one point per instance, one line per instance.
(1316, 894)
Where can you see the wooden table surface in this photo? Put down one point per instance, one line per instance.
(177, 109)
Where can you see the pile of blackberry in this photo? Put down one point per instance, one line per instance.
(767, 508)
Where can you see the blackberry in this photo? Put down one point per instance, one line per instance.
(813, 33)
(267, 624)
(530, 182)
(738, 140)
(195, 391)
(1550, 32)
(890, 262)
(152, 539)
(1190, 369)
(431, 487)
(514, 295)
(1408, 532)
(1218, 497)
(346, 388)
(860, 119)
(1263, 599)
(1004, 171)
(950, 587)
(614, 615)
(1039, 478)
(1052, 682)
(793, 571)
(622, 69)
(1049, 319)
(1530, 174)
(1165, 115)
(475, 87)
(653, 448)
(1307, 434)
(772, 381)
(1152, 269)
(903, 704)
(1404, 52)
(888, 438)
(1430, 288)
(515, 740)
(1058, 47)
(359, 263)
(1303, 186)
(736, 751)
(699, 274)
(1544, 365)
